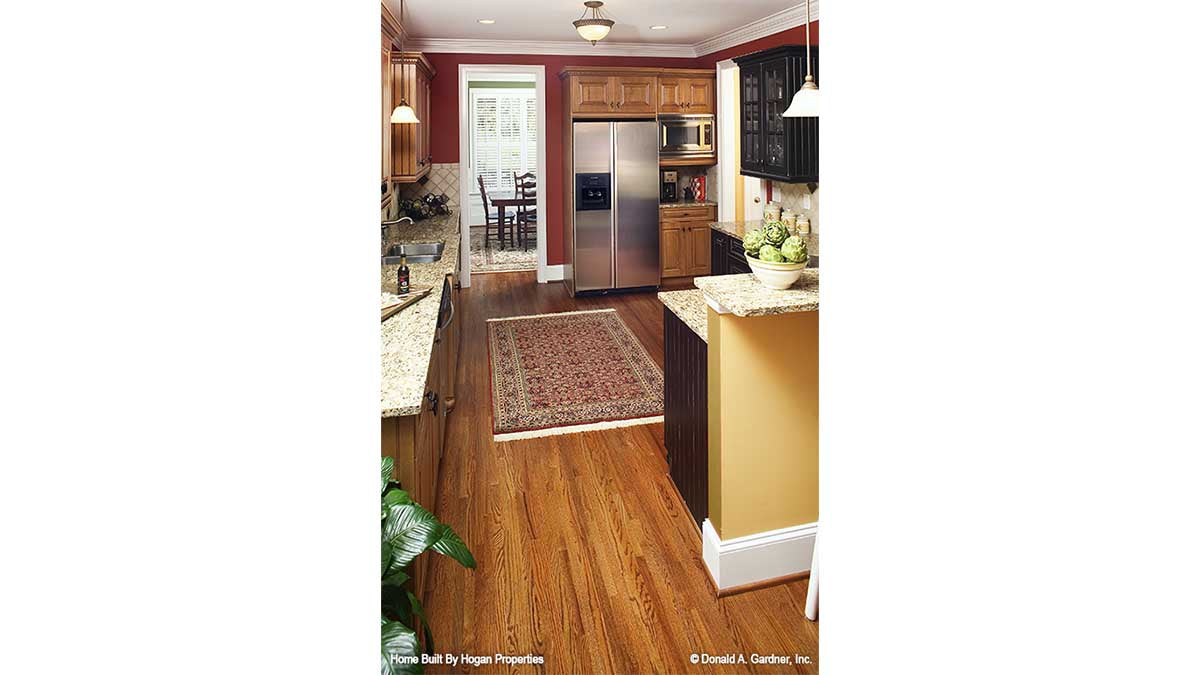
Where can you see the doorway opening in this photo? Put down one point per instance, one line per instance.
(502, 153)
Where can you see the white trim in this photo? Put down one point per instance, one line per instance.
(769, 25)
(555, 272)
(465, 72)
(566, 47)
(728, 126)
(542, 316)
(758, 557)
(575, 429)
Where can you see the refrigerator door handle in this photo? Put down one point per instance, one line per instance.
(616, 196)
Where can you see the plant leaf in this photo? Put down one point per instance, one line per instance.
(410, 530)
(395, 579)
(397, 640)
(385, 557)
(396, 497)
(447, 542)
(394, 603)
(420, 612)
(385, 472)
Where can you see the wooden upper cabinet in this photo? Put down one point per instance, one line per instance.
(412, 153)
(592, 94)
(635, 94)
(700, 95)
(686, 95)
(671, 97)
(386, 89)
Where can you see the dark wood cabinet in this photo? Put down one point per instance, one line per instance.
(685, 412)
(728, 256)
(773, 146)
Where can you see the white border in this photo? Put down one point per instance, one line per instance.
(769, 25)
(465, 72)
(758, 557)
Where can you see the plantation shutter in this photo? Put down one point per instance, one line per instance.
(503, 136)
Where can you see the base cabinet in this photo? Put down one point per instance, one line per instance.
(728, 256)
(685, 412)
(684, 241)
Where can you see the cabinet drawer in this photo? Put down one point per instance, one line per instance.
(688, 213)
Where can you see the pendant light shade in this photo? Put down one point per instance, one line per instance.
(403, 114)
(594, 28)
(804, 103)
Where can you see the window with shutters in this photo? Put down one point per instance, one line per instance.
(503, 137)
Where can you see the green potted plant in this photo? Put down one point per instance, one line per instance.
(408, 530)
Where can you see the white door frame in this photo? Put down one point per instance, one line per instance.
(465, 72)
(727, 129)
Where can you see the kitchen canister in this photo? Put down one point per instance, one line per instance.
(771, 212)
(788, 218)
(803, 226)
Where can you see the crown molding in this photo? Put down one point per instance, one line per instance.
(769, 25)
(779, 21)
(566, 47)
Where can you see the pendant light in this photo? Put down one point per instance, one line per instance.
(403, 113)
(596, 28)
(804, 103)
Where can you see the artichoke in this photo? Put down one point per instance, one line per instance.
(754, 240)
(769, 253)
(795, 250)
(775, 233)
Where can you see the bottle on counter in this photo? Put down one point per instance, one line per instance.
(402, 276)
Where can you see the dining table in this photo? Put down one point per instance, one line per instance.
(502, 203)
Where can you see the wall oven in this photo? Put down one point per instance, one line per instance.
(684, 136)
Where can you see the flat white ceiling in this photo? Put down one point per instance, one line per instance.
(689, 21)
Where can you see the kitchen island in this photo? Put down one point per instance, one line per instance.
(740, 422)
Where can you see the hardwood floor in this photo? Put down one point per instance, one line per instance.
(586, 555)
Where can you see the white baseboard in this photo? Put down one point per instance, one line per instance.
(552, 273)
(758, 557)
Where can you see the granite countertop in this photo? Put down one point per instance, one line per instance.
(738, 231)
(406, 339)
(743, 295)
(681, 204)
(690, 307)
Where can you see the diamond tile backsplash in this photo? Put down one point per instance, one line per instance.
(791, 196)
(443, 178)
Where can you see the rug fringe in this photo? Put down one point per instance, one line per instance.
(575, 428)
(540, 316)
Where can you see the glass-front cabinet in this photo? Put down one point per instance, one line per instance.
(773, 146)
(751, 117)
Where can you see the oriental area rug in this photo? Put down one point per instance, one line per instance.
(570, 372)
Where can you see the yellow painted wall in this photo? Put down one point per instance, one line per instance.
(763, 385)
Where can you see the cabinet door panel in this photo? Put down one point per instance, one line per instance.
(777, 77)
(591, 94)
(636, 94)
(673, 251)
(671, 95)
(751, 120)
(699, 95)
(698, 241)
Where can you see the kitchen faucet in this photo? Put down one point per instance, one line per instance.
(383, 227)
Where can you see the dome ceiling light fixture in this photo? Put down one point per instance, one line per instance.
(804, 103)
(593, 29)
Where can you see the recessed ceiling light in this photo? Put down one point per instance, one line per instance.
(487, 21)
(658, 27)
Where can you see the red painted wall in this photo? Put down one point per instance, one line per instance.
(444, 133)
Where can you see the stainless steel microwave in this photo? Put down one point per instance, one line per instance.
(686, 135)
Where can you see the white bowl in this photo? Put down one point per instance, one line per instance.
(776, 275)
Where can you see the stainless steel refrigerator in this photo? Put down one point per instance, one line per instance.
(614, 233)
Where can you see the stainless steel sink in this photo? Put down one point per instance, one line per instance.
(416, 253)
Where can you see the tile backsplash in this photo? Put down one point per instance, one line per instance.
(791, 196)
(443, 178)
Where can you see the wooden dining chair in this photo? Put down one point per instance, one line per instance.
(526, 221)
(490, 215)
